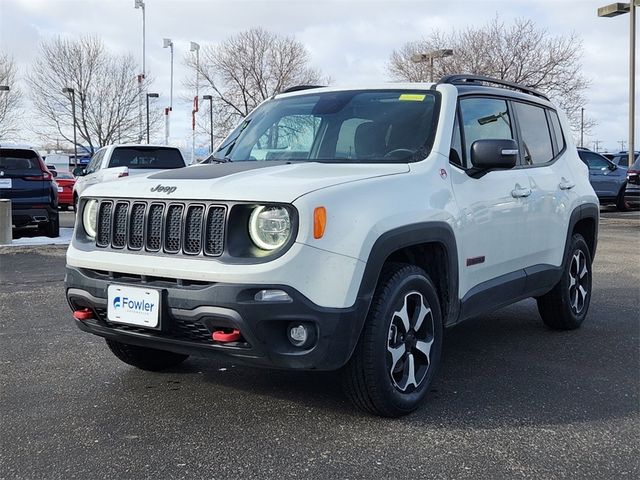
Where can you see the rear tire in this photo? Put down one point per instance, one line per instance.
(145, 358)
(398, 353)
(566, 306)
(52, 227)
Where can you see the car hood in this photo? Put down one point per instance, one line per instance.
(243, 181)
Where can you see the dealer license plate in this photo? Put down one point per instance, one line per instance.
(133, 305)
(5, 183)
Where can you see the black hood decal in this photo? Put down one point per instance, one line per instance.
(208, 172)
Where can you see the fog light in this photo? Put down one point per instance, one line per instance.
(301, 334)
(272, 296)
(298, 335)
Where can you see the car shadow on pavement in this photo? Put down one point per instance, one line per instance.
(502, 369)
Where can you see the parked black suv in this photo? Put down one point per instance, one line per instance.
(28, 183)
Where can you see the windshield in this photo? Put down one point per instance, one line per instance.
(387, 126)
(146, 158)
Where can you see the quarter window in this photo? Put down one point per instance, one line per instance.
(484, 118)
(594, 161)
(536, 138)
(455, 154)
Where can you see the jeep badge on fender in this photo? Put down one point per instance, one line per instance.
(344, 229)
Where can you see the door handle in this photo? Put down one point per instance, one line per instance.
(566, 184)
(520, 192)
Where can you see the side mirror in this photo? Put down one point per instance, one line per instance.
(488, 154)
(79, 171)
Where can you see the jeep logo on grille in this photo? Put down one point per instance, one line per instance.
(162, 189)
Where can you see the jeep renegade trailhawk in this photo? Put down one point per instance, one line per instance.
(343, 228)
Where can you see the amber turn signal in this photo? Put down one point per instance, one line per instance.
(319, 222)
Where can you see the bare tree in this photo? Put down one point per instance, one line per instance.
(11, 100)
(106, 92)
(521, 52)
(247, 69)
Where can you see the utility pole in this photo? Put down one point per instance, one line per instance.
(621, 143)
(596, 145)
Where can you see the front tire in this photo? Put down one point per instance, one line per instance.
(145, 358)
(398, 352)
(621, 203)
(566, 306)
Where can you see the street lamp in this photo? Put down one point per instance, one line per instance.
(613, 10)
(140, 4)
(149, 95)
(72, 94)
(195, 47)
(210, 98)
(168, 43)
(431, 56)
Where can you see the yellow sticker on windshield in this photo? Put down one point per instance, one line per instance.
(412, 97)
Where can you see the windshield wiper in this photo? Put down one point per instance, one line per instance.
(221, 160)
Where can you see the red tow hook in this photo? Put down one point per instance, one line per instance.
(83, 314)
(224, 337)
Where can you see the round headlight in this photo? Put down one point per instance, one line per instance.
(89, 217)
(269, 227)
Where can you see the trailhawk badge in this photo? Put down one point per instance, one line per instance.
(163, 189)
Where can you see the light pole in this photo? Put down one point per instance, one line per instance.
(195, 48)
(140, 4)
(210, 98)
(431, 56)
(149, 95)
(72, 94)
(582, 127)
(613, 10)
(168, 43)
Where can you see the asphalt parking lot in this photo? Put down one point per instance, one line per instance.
(512, 400)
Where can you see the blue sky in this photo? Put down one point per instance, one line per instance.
(349, 40)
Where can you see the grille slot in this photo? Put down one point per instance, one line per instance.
(155, 226)
(214, 235)
(173, 229)
(103, 235)
(136, 226)
(120, 225)
(193, 229)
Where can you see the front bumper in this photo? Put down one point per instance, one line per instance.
(193, 310)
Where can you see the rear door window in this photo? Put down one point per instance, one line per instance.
(557, 131)
(537, 148)
(146, 158)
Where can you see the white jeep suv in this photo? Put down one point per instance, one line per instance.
(344, 228)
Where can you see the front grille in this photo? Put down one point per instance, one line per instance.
(168, 227)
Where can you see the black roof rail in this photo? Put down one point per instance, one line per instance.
(462, 79)
(297, 88)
